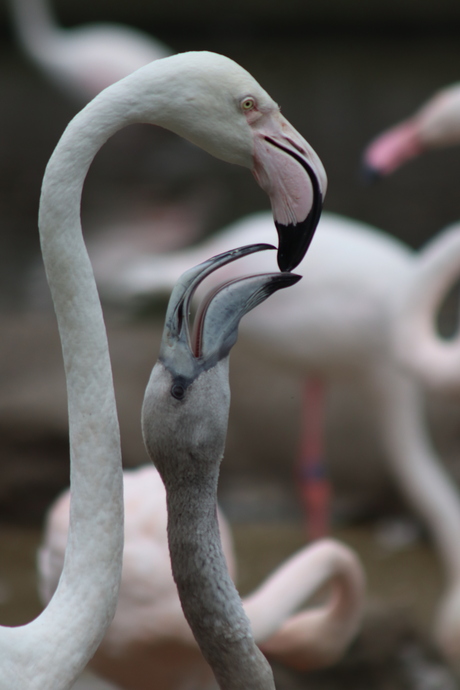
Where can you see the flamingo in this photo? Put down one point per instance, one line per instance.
(360, 288)
(84, 60)
(52, 650)
(215, 103)
(242, 125)
(418, 345)
(149, 637)
(434, 361)
(184, 422)
(434, 125)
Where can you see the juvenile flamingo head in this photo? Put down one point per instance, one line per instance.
(189, 383)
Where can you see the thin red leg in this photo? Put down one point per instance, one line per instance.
(311, 475)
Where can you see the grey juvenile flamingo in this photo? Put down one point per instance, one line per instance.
(185, 416)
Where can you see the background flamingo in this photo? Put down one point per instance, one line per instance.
(338, 323)
(434, 125)
(149, 637)
(83, 60)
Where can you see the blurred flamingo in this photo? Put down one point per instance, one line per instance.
(359, 313)
(149, 636)
(82, 60)
(434, 125)
(242, 125)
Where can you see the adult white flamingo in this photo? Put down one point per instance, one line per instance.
(360, 287)
(52, 650)
(185, 417)
(218, 105)
(434, 125)
(149, 637)
(82, 60)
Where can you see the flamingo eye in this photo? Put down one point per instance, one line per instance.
(248, 104)
(178, 391)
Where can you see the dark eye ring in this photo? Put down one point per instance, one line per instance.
(177, 391)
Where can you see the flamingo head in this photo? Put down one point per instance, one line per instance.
(216, 104)
(187, 398)
(434, 125)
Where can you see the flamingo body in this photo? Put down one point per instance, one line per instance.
(149, 636)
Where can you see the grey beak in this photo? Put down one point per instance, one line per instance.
(216, 326)
(217, 323)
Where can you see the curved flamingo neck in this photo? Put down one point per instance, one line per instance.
(34, 24)
(419, 473)
(417, 344)
(314, 636)
(187, 446)
(53, 649)
(435, 361)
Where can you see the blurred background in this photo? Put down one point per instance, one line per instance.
(342, 70)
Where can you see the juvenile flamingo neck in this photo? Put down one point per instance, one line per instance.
(186, 443)
(209, 598)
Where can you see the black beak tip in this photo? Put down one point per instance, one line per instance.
(294, 241)
(369, 175)
(286, 264)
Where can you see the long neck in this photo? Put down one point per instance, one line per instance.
(417, 344)
(418, 470)
(53, 649)
(209, 599)
(34, 24)
(298, 579)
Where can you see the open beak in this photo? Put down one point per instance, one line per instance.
(216, 325)
(289, 170)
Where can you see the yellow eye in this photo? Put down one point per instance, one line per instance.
(248, 104)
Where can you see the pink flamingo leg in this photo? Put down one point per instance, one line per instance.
(311, 476)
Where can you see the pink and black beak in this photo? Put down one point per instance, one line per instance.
(291, 173)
